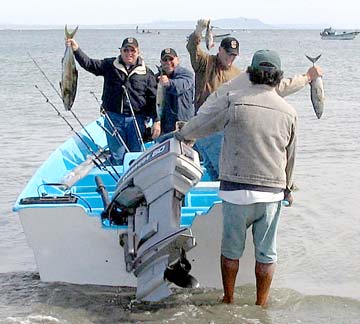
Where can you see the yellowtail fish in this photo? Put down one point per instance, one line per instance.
(209, 38)
(160, 96)
(69, 76)
(317, 94)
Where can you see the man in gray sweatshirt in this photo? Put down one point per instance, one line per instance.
(256, 165)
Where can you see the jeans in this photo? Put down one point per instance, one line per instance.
(209, 148)
(125, 125)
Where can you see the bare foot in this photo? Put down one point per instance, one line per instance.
(227, 300)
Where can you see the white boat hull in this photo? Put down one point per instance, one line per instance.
(71, 246)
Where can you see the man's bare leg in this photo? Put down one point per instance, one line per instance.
(264, 273)
(229, 270)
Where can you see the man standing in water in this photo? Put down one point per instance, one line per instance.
(257, 161)
(213, 71)
(129, 88)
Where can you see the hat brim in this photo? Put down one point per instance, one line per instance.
(231, 51)
(168, 55)
(127, 45)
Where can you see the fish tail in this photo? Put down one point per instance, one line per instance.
(68, 34)
(313, 59)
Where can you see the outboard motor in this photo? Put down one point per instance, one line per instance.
(151, 193)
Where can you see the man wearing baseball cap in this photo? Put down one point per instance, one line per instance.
(257, 161)
(175, 92)
(230, 45)
(213, 72)
(129, 90)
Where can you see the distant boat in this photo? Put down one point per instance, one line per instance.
(217, 37)
(329, 33)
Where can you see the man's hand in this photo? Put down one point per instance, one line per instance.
(155, 130)
(313, 73)
(72, 42)
(201, 25)
(180, 124)
(288, 198)
(164, 80)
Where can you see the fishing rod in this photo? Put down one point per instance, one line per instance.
(59, 94)
(81, 139)
(138, 133)
(74, 115)
(115, 133)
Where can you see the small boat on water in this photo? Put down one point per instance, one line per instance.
(216, 37)
(220, 37)
(332, 34)
(153, 222)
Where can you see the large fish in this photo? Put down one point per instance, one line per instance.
(160, 96)
(69, 76)
(209, 38)
(317, 91)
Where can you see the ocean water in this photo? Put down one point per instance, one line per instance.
(317, 280)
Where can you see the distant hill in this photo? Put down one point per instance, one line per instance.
(226, 23)
(229, 23)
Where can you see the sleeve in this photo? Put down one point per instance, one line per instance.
(181, 83)
(211, 118)
(198, 57)
(290, 154)
(93, 66)
(291, 85)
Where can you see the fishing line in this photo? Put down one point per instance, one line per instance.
(81, 139)
(59, 94)
(138, 133)
(115, 132)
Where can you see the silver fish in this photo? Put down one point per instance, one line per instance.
(209, 38)
(69, 76)
(160, 96)
(317, 94)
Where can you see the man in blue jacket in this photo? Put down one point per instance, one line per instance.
(129, 87)
(175, 92)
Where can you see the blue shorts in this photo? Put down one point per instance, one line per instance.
(264, 218)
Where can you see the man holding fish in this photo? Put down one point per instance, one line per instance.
(257, 162)
(175, 93)
(129, 95)
(213, 71)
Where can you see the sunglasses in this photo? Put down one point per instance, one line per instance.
(167, 59)
(129, 50)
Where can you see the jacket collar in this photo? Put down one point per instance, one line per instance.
(139, 68)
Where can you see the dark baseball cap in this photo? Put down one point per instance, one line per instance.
(231, 45)
(168, 52)
(130, 41)
(266, 60)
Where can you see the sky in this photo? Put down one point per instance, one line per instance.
(343, 14)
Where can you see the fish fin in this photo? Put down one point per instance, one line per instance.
(313, 59)
(68, 34)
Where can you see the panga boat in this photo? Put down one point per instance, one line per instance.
(143, 224)
(329, 33)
